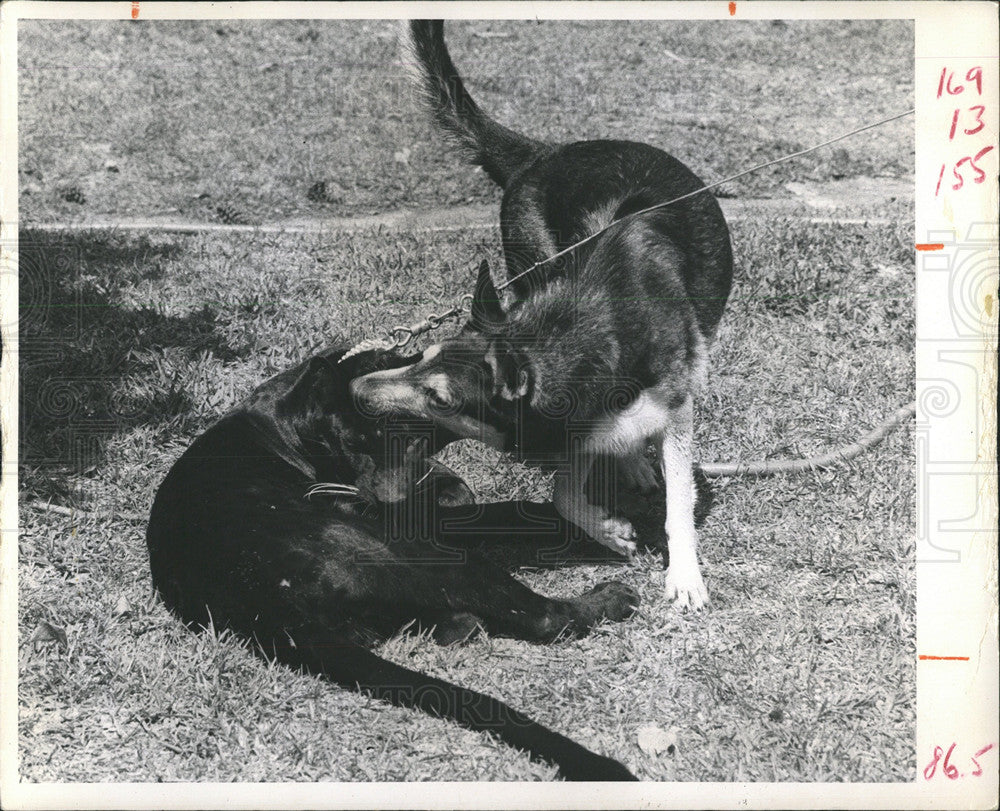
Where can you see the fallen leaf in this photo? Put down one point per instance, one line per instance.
(44, 632)
(654, 739)
(122, 607)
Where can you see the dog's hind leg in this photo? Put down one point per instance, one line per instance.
(503, 605)
(411, 581)
(518, 534)
(636, 473)
(684, 581)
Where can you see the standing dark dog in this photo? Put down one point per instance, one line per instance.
(597, 353)
(235, 541)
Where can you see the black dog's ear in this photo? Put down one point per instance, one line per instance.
(303, 390)
(511, 372)
(486, 310)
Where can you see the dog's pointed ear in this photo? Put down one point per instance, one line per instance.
(303, 389)
(486, 310)
(511, 370)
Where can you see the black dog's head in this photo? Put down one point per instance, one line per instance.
(315, 418)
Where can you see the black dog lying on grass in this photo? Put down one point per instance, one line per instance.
(388, 538)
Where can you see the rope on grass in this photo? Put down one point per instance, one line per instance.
(713, 470)
(771, 467)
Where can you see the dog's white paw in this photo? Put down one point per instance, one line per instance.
(686, 587)
(618, 534)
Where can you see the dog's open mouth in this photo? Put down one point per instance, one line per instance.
(397, 480)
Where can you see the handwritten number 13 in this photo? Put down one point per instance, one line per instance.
(979, 120)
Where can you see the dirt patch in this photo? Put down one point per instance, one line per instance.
(858, 195)
(852, 192)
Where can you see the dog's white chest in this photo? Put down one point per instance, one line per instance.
(624, 432)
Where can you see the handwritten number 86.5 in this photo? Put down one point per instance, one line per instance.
(948, 769)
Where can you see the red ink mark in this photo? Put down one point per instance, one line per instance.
(135, 9)
(979, 110)
(945, 85)
(979, 154)
(980, 174)
(954, 124)
(940, 176)
(937, 246)
(971, 160)
(976, 75)
(979, 119)
(931, 767)
(949, 769)
(732, 9)
(958, 176)
(983, 751)
(933, 246)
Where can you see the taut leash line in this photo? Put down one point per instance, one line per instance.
(639, 213)
(398, 337)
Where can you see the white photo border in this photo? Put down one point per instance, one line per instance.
(955, 242)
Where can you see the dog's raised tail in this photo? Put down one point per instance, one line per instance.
(355, 667)
(485, 142)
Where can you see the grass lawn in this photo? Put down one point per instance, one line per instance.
(801, 669)
(232, 121)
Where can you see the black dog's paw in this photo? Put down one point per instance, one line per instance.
(453, 493)
(459, 627)
(447, 488)
(612, 600)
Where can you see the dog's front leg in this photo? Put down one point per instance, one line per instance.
(570, 500)
(684, 580)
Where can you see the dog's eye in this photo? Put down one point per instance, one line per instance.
(437, 399)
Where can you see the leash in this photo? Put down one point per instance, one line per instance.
(398, 337)
(771, 467)
(658, 206)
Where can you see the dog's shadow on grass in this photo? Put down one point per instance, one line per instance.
(87, 358)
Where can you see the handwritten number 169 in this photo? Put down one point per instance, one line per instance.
(945, 82)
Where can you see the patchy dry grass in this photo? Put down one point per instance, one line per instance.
(802, 669)
(260, 121)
